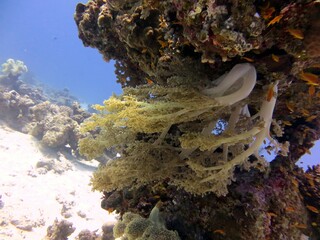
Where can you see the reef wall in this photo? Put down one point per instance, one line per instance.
(205, 83)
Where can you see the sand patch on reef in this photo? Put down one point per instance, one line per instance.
(37, 186)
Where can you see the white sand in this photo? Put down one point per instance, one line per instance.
(32, 197)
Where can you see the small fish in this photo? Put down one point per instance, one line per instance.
(219, 231)
(248, 59)
(149, 81)
(310, 78)
(305, 112)
(275, 58)
(290, 209)
(300, 225)
(271, 214)
(309, 119)
(312, 90)
(290, 106)
(312, 209)
(270, 92)
(287, 123)
(266, 13)
(275, 20)
(296, 33)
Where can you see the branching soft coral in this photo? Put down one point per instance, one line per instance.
(255, 136)
(144, 163)
(138, 125)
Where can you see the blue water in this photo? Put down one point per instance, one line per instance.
(44, 36)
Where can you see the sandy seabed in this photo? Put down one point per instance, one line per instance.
(39, 185)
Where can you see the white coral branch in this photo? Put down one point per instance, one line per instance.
(265, 115)
(241, 74)
(232, 87)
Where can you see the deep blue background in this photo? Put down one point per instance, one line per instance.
(43, 34)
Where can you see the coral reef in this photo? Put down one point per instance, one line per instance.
(206, 84)
(53, 125)
(60, 230)
(12, 68)
(28, 109)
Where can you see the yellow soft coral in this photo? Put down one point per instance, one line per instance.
(138, 125)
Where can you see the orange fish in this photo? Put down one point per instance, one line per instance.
(275, 58)
(296, 33)
(305, 112)
(300, 225)
(290, 106)
(270, 93)
(271, 214)
(219, 231)
(287, 123)
(149, 81)
(310, 78)
(275, 20)
(248, 59)
(290, 209)
(312, 90)
(312, 209)
(266, 13)
(309, 119)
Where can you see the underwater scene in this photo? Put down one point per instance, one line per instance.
(160, 120)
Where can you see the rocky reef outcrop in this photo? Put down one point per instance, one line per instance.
(29, 109)
(172, 54)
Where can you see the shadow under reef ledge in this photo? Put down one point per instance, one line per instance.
(258, 206)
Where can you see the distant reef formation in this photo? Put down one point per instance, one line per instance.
(53, 118)
(208, 85)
